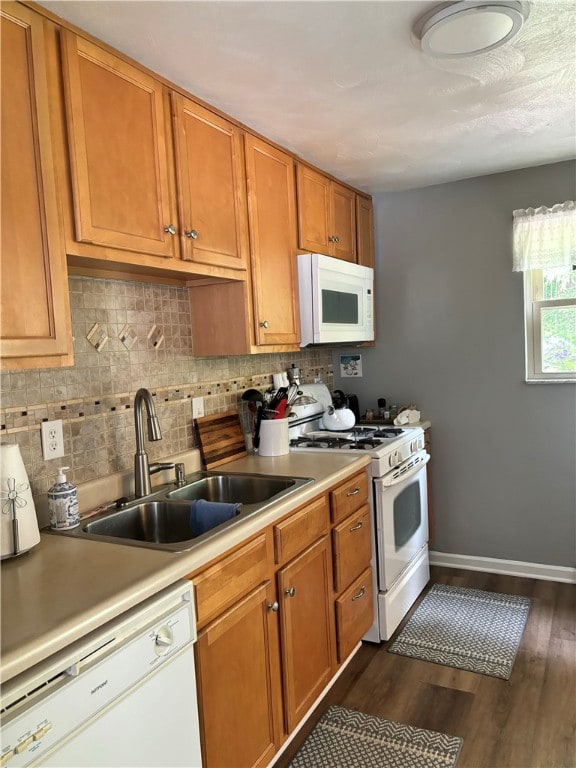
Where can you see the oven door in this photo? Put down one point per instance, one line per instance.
(401, 519)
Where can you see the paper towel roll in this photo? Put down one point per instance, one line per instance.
(15, 494)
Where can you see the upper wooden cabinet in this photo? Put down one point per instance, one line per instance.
(365, 231)
(272, 221)
(117, 146)
(34, 293)
(211, 186)
(326, 215)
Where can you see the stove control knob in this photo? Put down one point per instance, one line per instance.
(393, 458)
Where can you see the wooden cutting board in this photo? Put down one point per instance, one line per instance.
(220, 438)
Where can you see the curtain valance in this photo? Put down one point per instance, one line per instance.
(545, 238)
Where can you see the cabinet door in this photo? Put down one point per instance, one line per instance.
(34, 293)
(344, 226)
(239, 684)
(365, 231)
(307, 627)
(314, 211)
(272, 221)
(117, 143)
(211, 186)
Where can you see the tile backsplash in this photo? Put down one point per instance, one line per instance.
(145, 341)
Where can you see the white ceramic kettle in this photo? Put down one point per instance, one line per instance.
(19, 524)
(338, 419)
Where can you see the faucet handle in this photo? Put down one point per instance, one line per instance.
(180, 474)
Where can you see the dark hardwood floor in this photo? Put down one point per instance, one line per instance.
(528, 721)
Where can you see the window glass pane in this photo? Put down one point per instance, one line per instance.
(559, 283)
(558, 339)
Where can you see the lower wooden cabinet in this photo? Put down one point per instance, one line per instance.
(277, 616)
(239, 683)
(307, 627)
(354, 613)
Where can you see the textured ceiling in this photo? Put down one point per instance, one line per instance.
(340, 83)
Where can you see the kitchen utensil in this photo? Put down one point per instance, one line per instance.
(281, 408)
(338, 416)
(220, 438)
(280, 394)
(293, 374)
(338, 419)
(253, 395)
(256, 438)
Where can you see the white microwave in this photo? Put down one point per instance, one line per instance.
(336, 300)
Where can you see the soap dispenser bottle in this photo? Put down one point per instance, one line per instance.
(63, 503)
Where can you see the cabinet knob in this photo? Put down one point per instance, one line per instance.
(361, 592)
(273, 606)
(336, 239)
(191, 233)
(264, 324)
(290, 592)
(357, 526)
(331, 239)
(170, 229)
(355, 492)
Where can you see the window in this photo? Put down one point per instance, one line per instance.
(550, 317)
(545, 251)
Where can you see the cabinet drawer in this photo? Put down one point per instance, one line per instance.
(349, 496)
(300, 530)
(352, 547)
(220, 585)
(354, 614)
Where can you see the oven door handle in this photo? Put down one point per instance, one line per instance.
(391, 480)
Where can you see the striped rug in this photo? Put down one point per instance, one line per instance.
(465, 628)
(343, 738)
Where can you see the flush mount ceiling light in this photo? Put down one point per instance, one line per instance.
(468, 27)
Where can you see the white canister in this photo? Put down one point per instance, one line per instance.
(19, 524)
(274, 437)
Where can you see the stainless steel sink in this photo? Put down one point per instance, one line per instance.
(158, 522)
(243, 489)
(162, 520)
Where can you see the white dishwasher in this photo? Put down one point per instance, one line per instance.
(123, 697)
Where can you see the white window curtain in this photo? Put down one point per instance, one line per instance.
(545, 238)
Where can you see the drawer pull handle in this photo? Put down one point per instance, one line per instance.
(273, 606)
(361, 592)
(357, 526)
(355, 492)
(291, 592)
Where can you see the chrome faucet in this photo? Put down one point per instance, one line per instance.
(142, 485)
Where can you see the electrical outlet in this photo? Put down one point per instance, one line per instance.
(52, 439)
(197, 407)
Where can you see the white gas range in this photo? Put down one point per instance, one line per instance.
(400, 504)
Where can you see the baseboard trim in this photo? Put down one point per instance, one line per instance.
(507, 567)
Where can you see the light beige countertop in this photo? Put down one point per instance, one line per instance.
(66, 587)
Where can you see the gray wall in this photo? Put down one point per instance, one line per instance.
(450, 338)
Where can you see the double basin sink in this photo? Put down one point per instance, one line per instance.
(163, 519)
